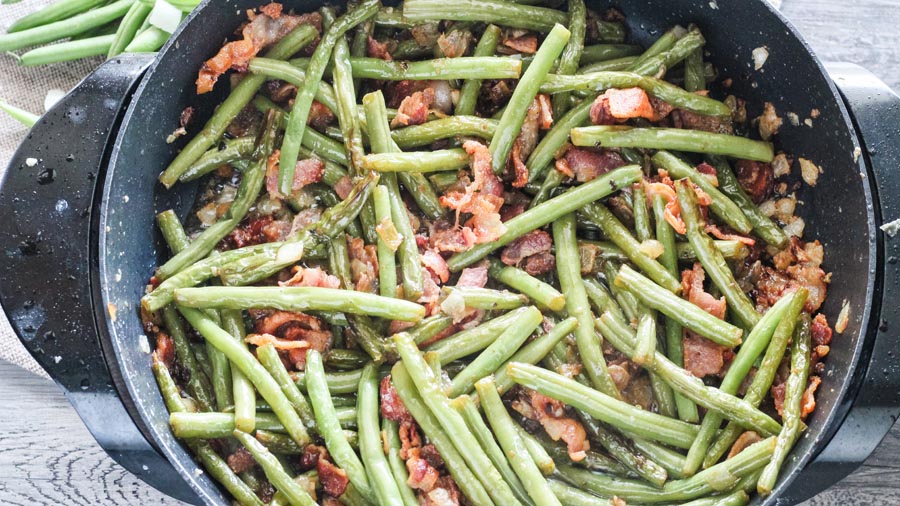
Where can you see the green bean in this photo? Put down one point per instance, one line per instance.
(220, 374)
(59, 10)
(663, 43)
(603, 407)
(537, 452)
(368, 337)
(329, 426)
(360, 42)
(500, 12)
(551, 182)
(568, 268)
(592, 460)
(548, 211)
(411, 50)
(278, 443)
(418, 161)
(542, 293)
(602, 299)
(763, 226)
(303, 298)
(665, 60)
(753, 347)
(231, 150)
(278, 69)
(680, 310)
(730, 249)
(694, 78)
(21, 115)
(345, 359)
(791, 417)
(571, 56)
(338, 382)
(233, 104)
(252, 369)
(604, 52)
(571, 496)
(198, 384)
(614, 65)
(430, 424)
(721, 205)
(216, 425)
(692, 141)
(739, 498)
(599, 81)
(148, 41)
(482, 433)
(445, 69)
(541, 159)
(408, 251)
(642, 227)
(485, 298)
(68, 51)
(468, 93)
(172, 231)
(713, 262)
(296, 125)
(513, 445)
(387, 265)
(729, 406)
(621, 237)
(370, 443)
(348, 116)
(451, 421)
(701, 484)
(214, 464)
(497, 353)
(610, 31)
(243, 392)
(391, 437)
(430, 327)
(511, 122)
(444, 128)
(128, 27)
(64, 27)
(645, 342)
(269, 358)
(276, 474)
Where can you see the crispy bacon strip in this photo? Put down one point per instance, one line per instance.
(280, 344)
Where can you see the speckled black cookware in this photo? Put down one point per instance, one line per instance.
(79, 240)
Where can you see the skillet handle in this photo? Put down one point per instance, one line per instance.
(875, 109)
(47, 199)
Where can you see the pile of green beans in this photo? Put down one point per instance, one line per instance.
(570, 384)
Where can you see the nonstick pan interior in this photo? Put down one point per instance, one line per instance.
(838, 211)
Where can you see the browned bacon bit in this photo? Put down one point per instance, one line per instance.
(436, 264)
(444, 493)
(263, 30)
(473, 277)
(546, 111)
(446, 237)
(422, 475)
(431, 293)
(716, 232)
(525, 144)
(306, 172)
(620, 376)
(280, 344)
(551, 414)
(376, 49)
(320, 116)
(482, 198)
(392, 407)
(666, 188)
(519, 168)
(796, 266)
(540, 264)
(532, 243)
(616, 105)
(585, 164)
(692, 121)
(290, 326)
(519, 41)
(746, 439)
(363, 264)
(311, 276)
(709, 172)
(266, 491)
(807, 402)
(414, 108)
(343, 187)
(702, 357)
(398, 90)
(820, 331)
(165, 349)
(280, 91)
(306, 218)
(257, 231)
(333, 479)
(454, 43)
(311, 455)
(757, 179)
(241, 460)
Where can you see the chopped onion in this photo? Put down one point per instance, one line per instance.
(455, 306)
(781, 165)
(208, 214)
(53, 96)
(652, 248)
(760, 55)
(443, 96)
(795, 227)
(843, 318)
(165, 16)
(809, 171)
(892, 228)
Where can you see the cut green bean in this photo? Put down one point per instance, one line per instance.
(485, 298)
(618, 64)
(347, 113)
(387, 265)
(216, 425)
(430, 327)
(468, 93)
(243, 392)
(68, 51)
(370, 441)
(269, 358)
(278, 69)
(65, 27)
(415, 136)
(763, 226)
(198, 384)
(568, 268)
(338, 382)
(473, 340)
(543, 294)
(694, 77)
(604, 52)
(545, 213)
(172, 231)
(692, 141)
(274, 471)
(511, 122)
(572, 496)
(418, 161)
(570, 58)
(645, 342)
(500, 12)
(421, 191)
(665, 60)
(391, 437)
(231, 151)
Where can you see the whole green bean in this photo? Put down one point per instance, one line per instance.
(548, 211)
(617, 64)
(645, 341)
(430, 390)
(500, 12)
(486, 298)
(68, 51)
(252, 369)
(604, 52)
(216, 425)
(713, 262)
(682, 311)
(729, 406)
(543, 294)
(231, 150)
(568, 268)
(721, 205)
(513, 445)
(345, 382)
(572, 496)
(198, 384)
(387, 266)
(302, 298)
(233, 104)
(21, 115)
(694, 77)
(347, 113)
(172, 231)
(763, 226)
(59, 10)
(243, 392)
(430, 327)
(370, 442)
(787, 307)
(391, 437)
(64, 27)
(468, 93)
(269, 358)
(511, 122)
(417, 161)
(329, 427)
(296, 125)
(128, 27)
(467, 408)
(692, 141)
(621, 237)
(571, 56)
(552, 181)
(148, 41)
(415, 136)
(667, 59)
(497, 353)
(541, 159)
(791, 417)
(276, 474)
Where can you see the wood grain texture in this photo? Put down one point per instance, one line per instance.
(48, 457)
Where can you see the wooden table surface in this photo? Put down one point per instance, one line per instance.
(48, 457)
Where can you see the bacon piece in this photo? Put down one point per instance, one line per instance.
(746, 439)
(431, 293)
(414, 109)
(715, 231)
(392, 407)
(454, 43)
(808, 401)
(616, 105)
(436, 264)
(797, 266)
(546, 115)
(249, 234)
(262, 31)
(587, 164)
(688, 120)
(620, 375)
(241, 460)
(306, 172)
(551, 414)
(397, 91)
(376, 49)
(757, 179)
(333, 479)
(820, 331)
(540, 264)
(343, 187)
(526, 43)
(320, 116)
(363, 264)
(486, 226)
(446, 237)
(292, 327)
(165, 349)
(311, 276)
(519, 168)
(444, 493)
(279, 344)
(305, 218)
(473, 277)
(702, 357)
(422, 475)
(532, 243)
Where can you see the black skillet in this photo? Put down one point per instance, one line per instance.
(80, 243)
